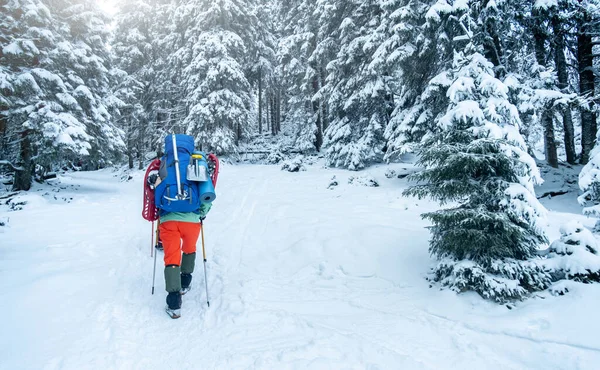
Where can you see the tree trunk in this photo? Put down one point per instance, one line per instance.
(23, 177)
(140, 160)
(563, 84)
(273, 116)
(140, 145)
(268, 116)
(260, 88)
(278, 110)
(549, 139)
(324, 113)
(585, 61)
(492, 46)
(130, 158)
(3, 136)
(317, 111)
(547, 122)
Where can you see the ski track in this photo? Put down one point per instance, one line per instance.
(299, 277)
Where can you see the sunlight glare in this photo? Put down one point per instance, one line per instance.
(109, 6)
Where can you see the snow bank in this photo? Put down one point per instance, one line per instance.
(363, 180)
(575, 255)
(294, 165)
(25, 201)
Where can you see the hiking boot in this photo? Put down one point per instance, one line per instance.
(186, 283)
(174, 305)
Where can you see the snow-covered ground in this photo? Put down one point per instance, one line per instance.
(300, 277)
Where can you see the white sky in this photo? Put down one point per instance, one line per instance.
(108, 6)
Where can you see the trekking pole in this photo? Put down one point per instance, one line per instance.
(155, 253)
(152, 240)
(204, 256)
(154, 272)
(157, 236)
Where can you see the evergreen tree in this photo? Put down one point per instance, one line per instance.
(262, 71)
(479, 160)
(218, 95)
(296, 44)
(359, 100)
(589, 183)
(134, 51)
(587, 16)
(417, 51)
(560, 26)
(55, 70)
(309, 43)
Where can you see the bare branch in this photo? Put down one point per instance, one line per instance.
(10, 164)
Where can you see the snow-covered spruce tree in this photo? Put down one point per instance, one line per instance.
(416, 52)
(261, 64)
(55, 79)
(310, 40)
(589, 183)
(574, 256)
(218, 95)
(522, 40)
(170, 23)
(91, 61)
(134, 54)
(478, 159)
(328, 17)
(359, 100)
(587, 18)
(296, 44)
(170, 33)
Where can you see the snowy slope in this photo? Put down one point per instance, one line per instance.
(300, 276)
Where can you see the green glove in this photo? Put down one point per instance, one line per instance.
(204, 208)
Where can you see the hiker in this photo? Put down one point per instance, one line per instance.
(183, 203)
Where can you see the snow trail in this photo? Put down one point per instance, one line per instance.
(299, 276)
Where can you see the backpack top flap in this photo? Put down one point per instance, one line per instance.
(185, 143)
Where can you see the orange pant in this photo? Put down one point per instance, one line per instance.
(172, 233)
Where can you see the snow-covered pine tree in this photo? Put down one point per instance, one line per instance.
(261, 66)
(310, 40)
(359, 101)
(88, 34)
(587, 18)
(478, 159)
(218, 95)
(57, 80)
(540, 40)
(589, 183)
(417, 50)
(171, 30)
(561, 27)
(573, 257)
(327, 18)
(296, 44)
(134, 52)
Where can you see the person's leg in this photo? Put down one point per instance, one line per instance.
(189, 234)
(171, 239)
